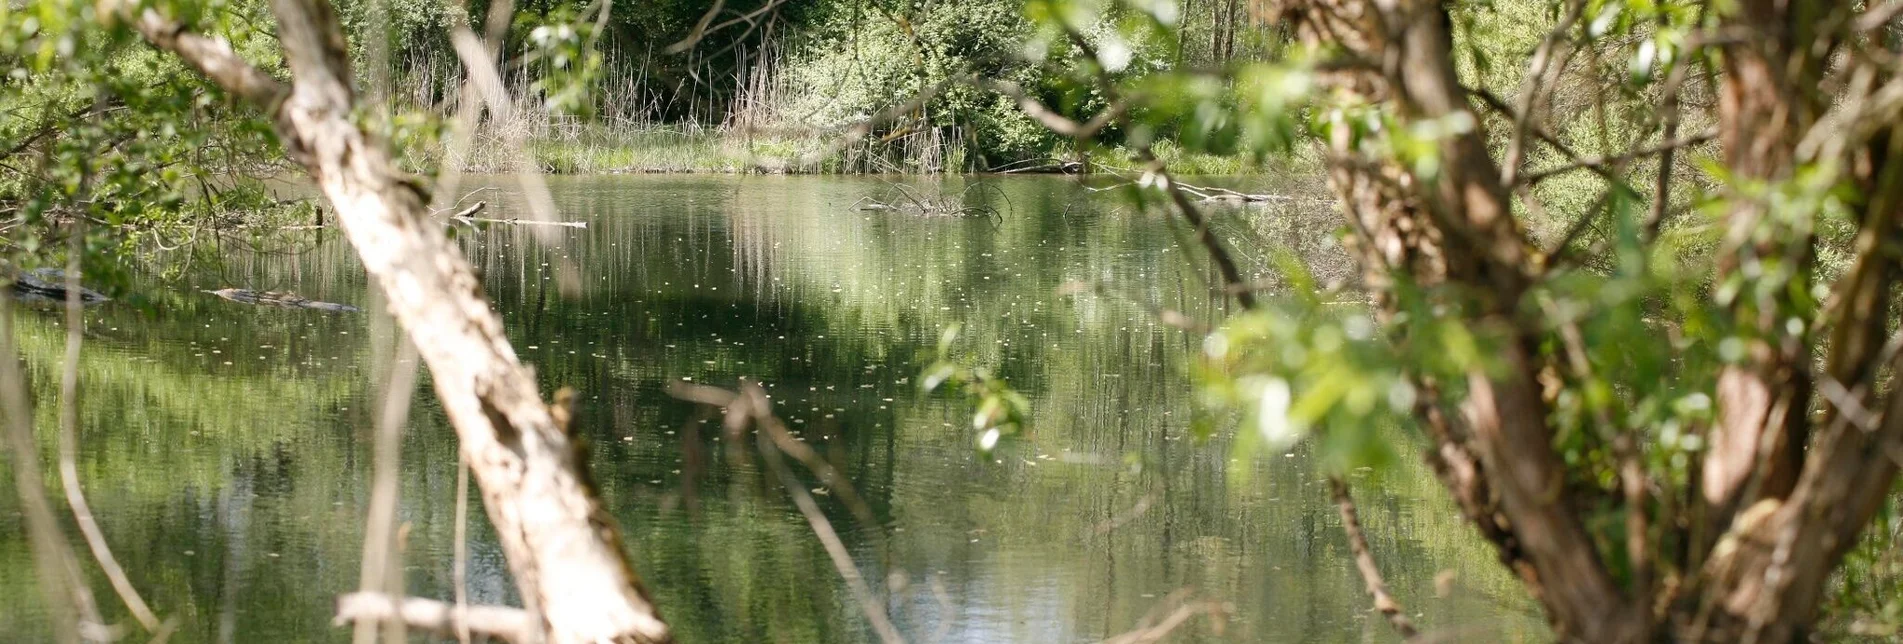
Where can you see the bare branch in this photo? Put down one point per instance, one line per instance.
(68, 601)
(753, 400)
(1156, 626)
(1598, 163)
(1529, 91)
(701, 29)
(560, 541)
(69, 442)
(1364, 560)
(510, 624)
(211, 56)
(1049, 118)
(381, 570)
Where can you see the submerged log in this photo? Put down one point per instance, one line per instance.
(468, 216)
(274, 298)
(49, 284)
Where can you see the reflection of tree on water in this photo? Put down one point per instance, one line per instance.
(714, 278)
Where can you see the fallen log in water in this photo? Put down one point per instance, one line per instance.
(467, 216)
(287, 300)
(523, 222)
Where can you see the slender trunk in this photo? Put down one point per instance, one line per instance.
(561, 544)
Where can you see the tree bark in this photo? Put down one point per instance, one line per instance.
(1763, 402)
(562, 546)
(1456, 228)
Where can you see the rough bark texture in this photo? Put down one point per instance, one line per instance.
(1756, 446)
(1799, 462)
(1457, 229)
(561, 544)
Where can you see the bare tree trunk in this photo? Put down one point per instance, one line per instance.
(561, 544)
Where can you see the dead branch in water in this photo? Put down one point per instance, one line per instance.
(1207, 194)
(905, 199)
(467, 216)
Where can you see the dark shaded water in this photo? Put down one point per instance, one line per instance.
(226, 446)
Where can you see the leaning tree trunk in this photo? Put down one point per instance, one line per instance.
(561, 544)
(1787, 491)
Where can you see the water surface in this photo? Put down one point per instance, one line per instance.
(226, 446)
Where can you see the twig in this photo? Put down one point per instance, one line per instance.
(508, 623)
(701, 29)
(1150, 629)
(69, 442)
(755, 400)
(382, 563)
(750, 406)
(67, 601)
(1542, 57)
(1364, 560)
(471, 211)
(459, 570)
(1598, 162)
(944, 609)
(1218, 253)
(1049, 118)
(522, 222)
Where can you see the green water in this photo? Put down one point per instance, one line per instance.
(225, 447)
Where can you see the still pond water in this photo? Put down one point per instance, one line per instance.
(225, 447)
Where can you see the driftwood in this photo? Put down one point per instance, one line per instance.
(49, 284)
(467, 216)
(276, 298)
(904, 199)
(1209, 194)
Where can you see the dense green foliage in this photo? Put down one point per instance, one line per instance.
(1629, 301)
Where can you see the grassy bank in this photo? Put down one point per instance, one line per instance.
(644, 148)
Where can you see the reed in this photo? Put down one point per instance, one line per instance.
(754, 132)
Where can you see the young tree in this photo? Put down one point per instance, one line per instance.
(561, 544)
(1667, 427)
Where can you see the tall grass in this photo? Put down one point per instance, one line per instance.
(751, 133)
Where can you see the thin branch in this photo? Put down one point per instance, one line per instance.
(67, 600)
(1233, 283)
(459, 570)
(754, 400)
(1364, 560)
(701, 28)
(69, 442)
(211, 56)
(1602, 164)
(1536, 72)
(1049, 118)
(507, 623)
(864, 127)
(1876, 17)
(382, 561)
(1153, 629)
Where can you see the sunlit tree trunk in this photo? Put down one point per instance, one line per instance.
(561, 544)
